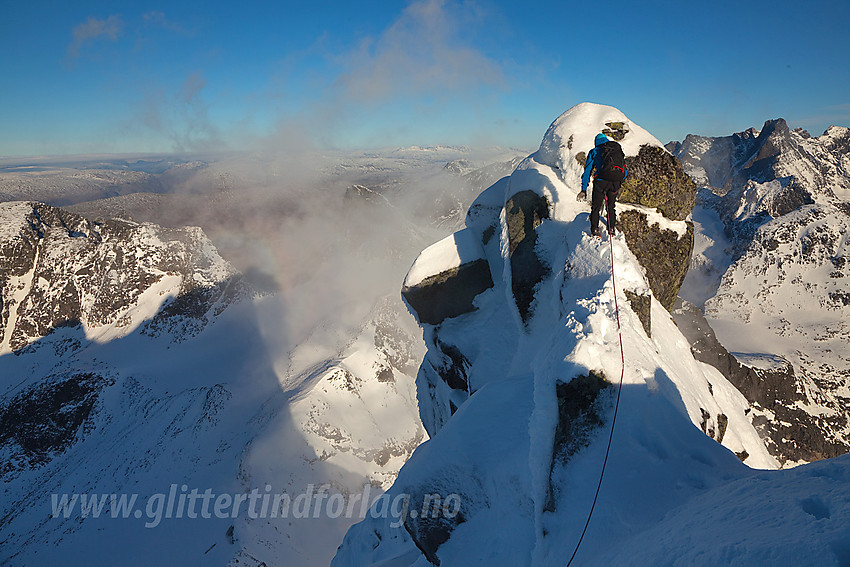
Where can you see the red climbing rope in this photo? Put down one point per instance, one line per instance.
(619, 389)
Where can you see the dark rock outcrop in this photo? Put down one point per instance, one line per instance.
(708, 425)
(580, 409)
(45, 419)
(579, 413)
(616, 130)
(57, 267)
(449, 293)
(431, 527)
(792, 434)
(641, 304)
(656, 180)
(524, 212)
(663, 253)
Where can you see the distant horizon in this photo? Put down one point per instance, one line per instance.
(89, 78)
(140, 155)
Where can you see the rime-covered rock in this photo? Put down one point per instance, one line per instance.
(656, 180)
(665, 254)
(446, 278)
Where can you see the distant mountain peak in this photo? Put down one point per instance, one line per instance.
(109, 276)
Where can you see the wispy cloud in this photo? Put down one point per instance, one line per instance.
(159, 19)
(428, 59)
(183, 117)
(93, 29)
(424, 52)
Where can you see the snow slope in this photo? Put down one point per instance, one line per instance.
(671, 494)
(123, 375)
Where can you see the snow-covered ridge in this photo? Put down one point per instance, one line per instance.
(519, 408)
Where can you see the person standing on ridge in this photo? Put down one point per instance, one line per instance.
(607, 164)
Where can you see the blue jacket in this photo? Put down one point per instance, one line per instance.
(590, 164)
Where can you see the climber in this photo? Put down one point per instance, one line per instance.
(607, 163)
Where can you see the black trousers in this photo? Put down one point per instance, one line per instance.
(601, 190)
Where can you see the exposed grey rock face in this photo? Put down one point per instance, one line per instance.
(793, 434)
(58, 268)
(449, 293)
(656, 180)
(524, 212)
(664, 254)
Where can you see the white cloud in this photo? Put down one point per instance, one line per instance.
(424, 52)
(426, 66)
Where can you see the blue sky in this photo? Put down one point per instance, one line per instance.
(125, 77)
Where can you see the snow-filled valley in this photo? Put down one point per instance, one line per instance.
(416, 357)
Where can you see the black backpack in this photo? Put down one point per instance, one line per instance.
(611, 162)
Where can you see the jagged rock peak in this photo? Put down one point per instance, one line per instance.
(782, 196)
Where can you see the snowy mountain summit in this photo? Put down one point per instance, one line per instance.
(538, 336)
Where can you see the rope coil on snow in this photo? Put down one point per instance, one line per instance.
(619, 389)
